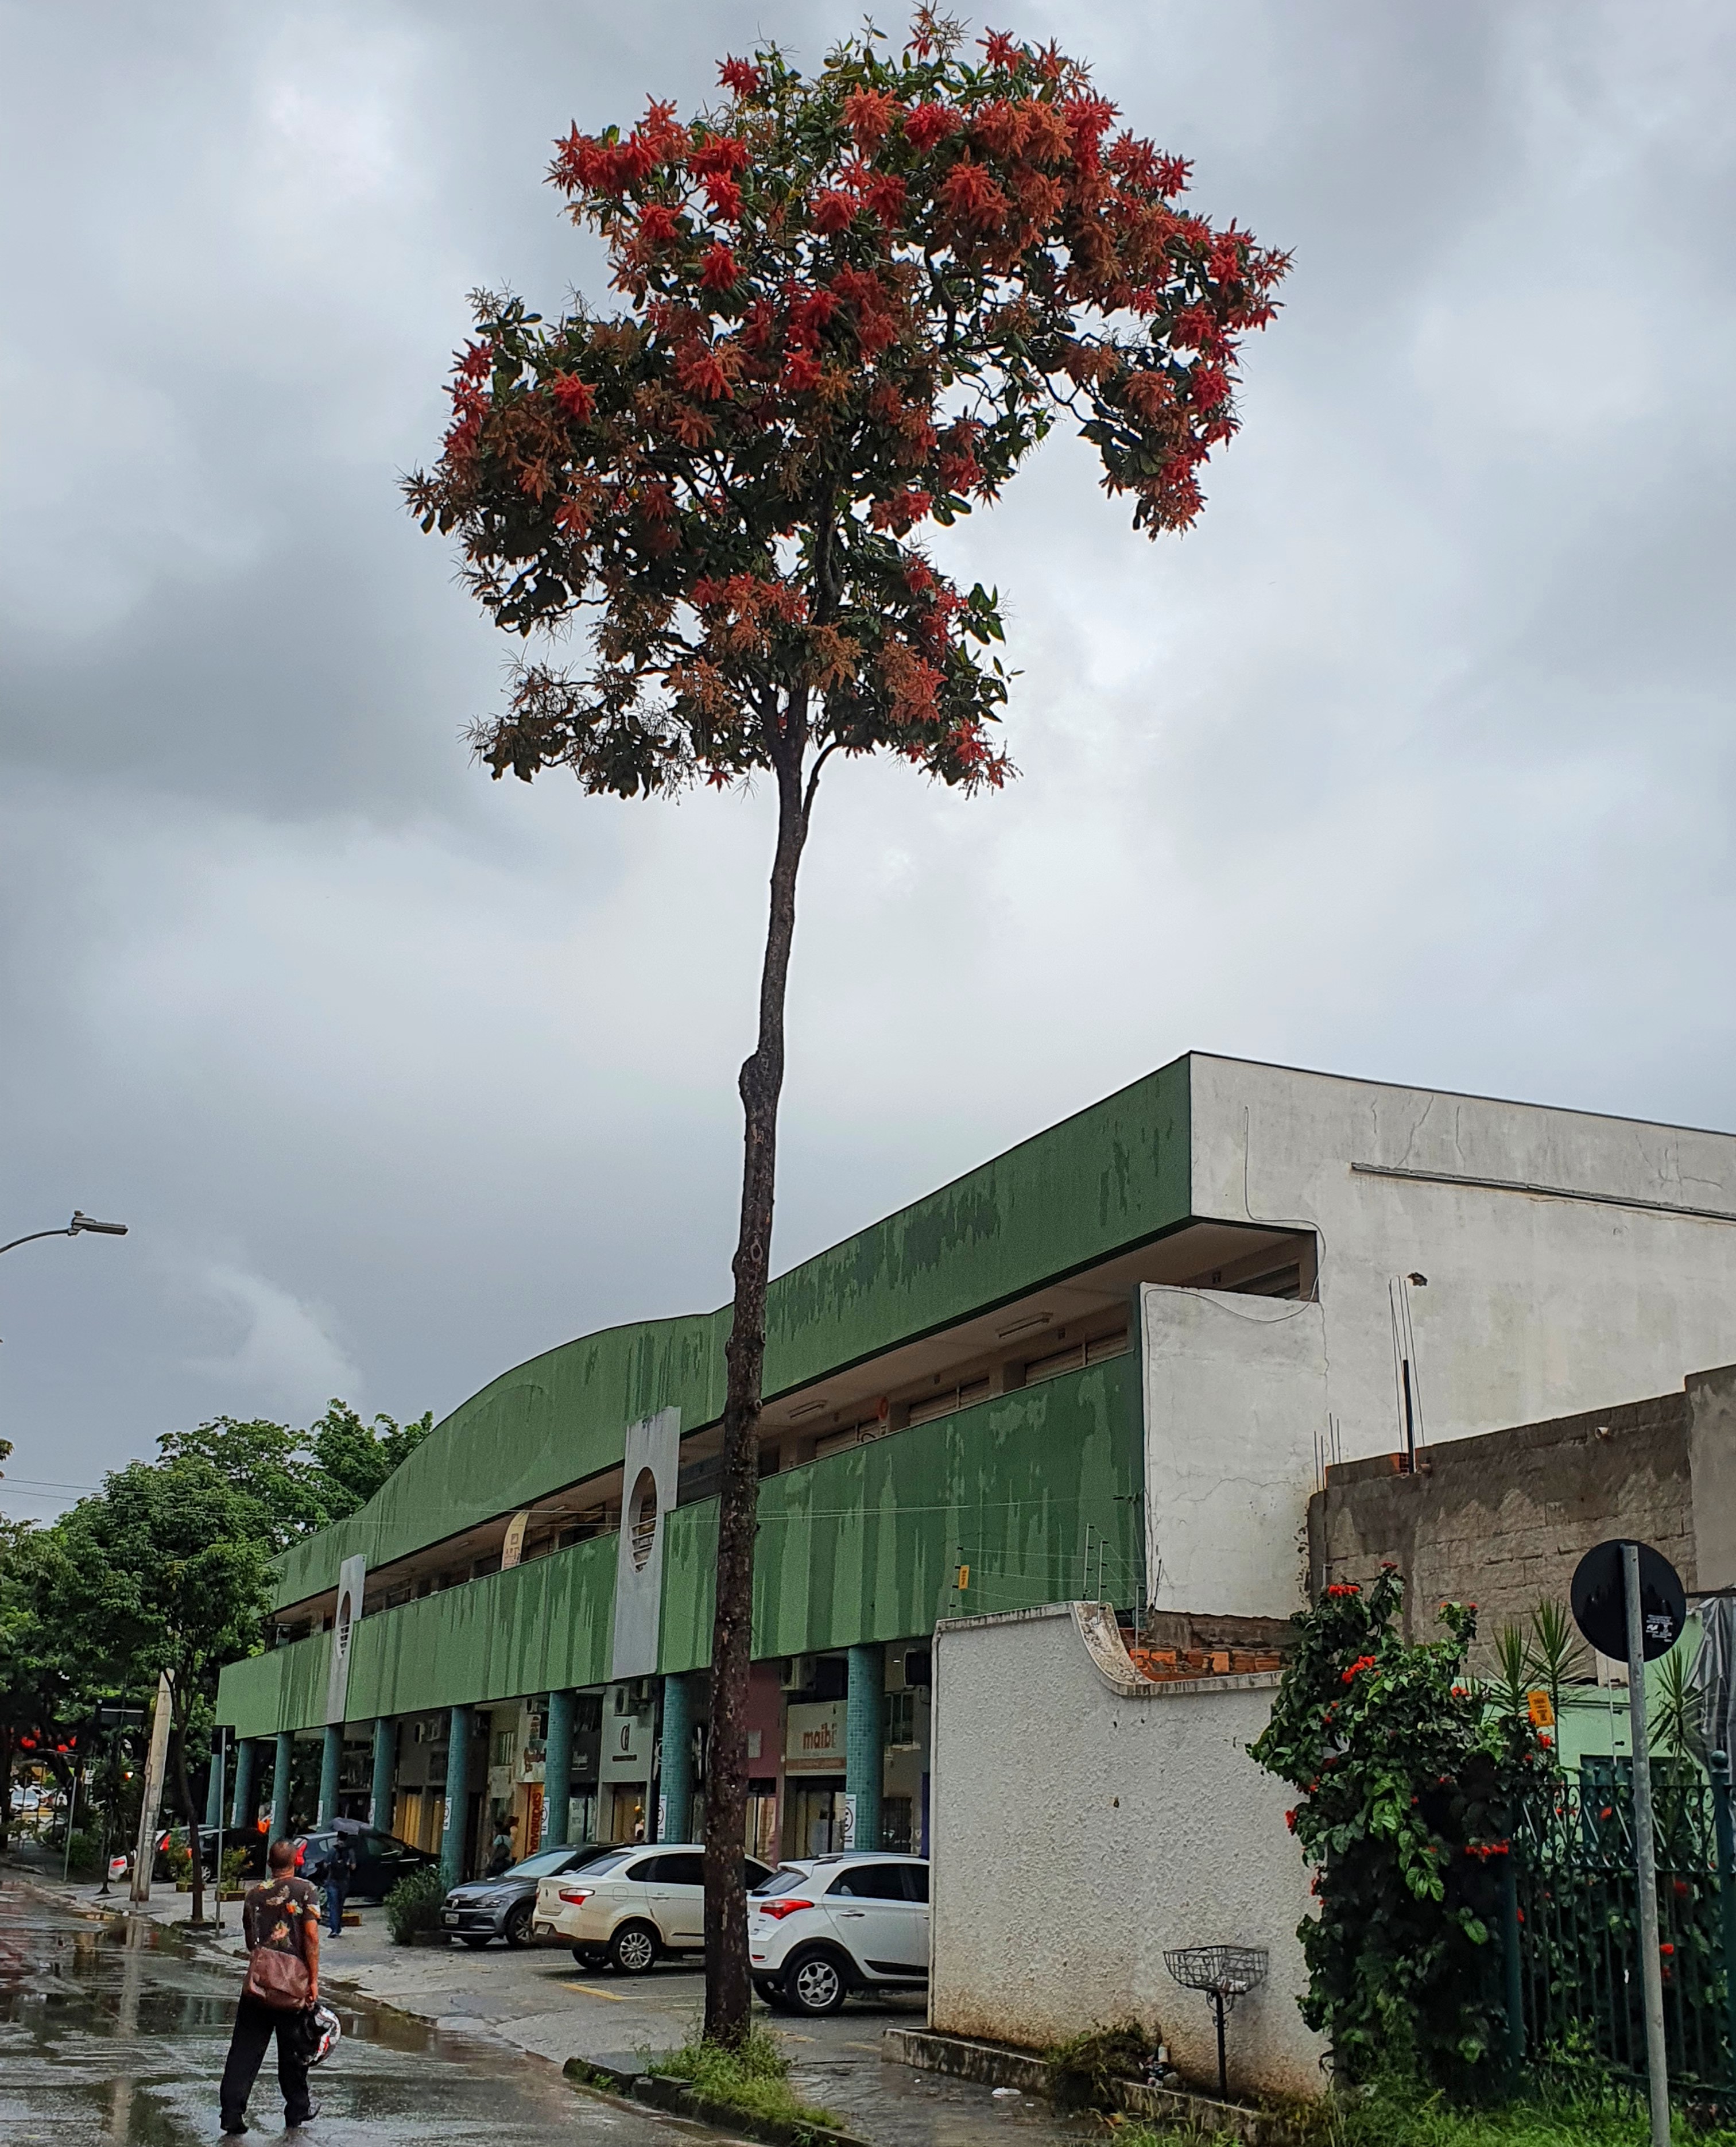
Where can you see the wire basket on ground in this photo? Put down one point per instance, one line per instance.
(1232, 1971)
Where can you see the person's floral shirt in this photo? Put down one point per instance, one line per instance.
(274, 1912)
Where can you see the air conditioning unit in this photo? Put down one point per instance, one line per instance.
(644, 1695)
(798, 1673)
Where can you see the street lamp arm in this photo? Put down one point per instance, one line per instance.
(64, 1231)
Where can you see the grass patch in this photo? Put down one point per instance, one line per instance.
(1081, 2068)
(1402, 2117)
(754, 2079)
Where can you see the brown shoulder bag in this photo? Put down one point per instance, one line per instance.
(278, 1979)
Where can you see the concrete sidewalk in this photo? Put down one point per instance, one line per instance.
(540, 2002)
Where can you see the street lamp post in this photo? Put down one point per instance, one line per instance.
(80, 1222)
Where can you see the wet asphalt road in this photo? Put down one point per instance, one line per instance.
(112, 2034)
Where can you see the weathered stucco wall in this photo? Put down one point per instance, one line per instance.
(1081, 1822)
(1502, 1521)
(1537, 1305)
(1235, 1398)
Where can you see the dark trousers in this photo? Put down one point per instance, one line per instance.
(255, 2024)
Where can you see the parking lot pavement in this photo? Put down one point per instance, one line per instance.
(540, 2001)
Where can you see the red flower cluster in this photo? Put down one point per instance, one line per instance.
(1341, 1588)
(1362, 1663)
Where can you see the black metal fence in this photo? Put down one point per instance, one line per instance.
(1573, 1937)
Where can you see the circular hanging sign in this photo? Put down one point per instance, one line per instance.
(1600, 1604)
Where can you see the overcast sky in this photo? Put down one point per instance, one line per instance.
(1414, 760)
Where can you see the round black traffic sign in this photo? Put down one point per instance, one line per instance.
(1600, 1602)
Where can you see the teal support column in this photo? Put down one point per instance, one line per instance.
(214, 1787)
(240, 1812)
(385, 1771)
(557, 1769)
(457, 1798)
(676, 1817)
(330, 1757)
(864, 1737)
(280, 1784)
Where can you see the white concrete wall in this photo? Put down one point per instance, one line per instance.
(1081, 1822)
(1535, 1307)
(1235, 1401)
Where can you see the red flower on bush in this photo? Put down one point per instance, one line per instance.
(1362, 1663)
(718, 271)
(1341, 1588)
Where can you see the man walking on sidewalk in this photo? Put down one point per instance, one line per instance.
(280, 1917)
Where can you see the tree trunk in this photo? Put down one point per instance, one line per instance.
(183, 1792)
(726, 1994)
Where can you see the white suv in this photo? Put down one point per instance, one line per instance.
(630, 1905)
(827, 1925)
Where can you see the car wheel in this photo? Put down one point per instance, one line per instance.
(633, 1949)
(477, 1939)
(772, 1992)
(813, 1982)
(517, 1927)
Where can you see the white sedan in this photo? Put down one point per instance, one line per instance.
(627, 1908)
(827, 1925)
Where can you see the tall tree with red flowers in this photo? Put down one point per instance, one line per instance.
(852, 302)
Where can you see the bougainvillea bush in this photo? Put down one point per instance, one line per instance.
(1409, 1787)
(845, 307)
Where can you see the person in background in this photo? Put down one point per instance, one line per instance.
(337, 1875)
(283, 1915)
(501, 1856)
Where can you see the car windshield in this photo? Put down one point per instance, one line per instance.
(785, 1879)
(541, 1865)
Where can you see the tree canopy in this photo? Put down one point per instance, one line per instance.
(855, 300)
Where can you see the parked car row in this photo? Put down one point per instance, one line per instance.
(819, 1928)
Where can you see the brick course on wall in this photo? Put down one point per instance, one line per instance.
(1502, 1519)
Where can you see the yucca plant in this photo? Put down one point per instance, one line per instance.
(1674, 1723)
(1512, 1666)
(1557, 1651)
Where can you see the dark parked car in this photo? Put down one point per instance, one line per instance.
(381, 1858)
(502, 1908)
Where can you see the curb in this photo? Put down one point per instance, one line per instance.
(659, 2091)
(1000, 2064)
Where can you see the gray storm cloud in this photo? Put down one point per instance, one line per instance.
(1414, 759)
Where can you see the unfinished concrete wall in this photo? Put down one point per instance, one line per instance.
(1711, 1398)
(1081, 1821)
(1235, 1413)
(1501, 1521)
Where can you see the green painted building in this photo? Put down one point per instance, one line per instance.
(512, 1635)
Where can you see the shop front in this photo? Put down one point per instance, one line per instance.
(816, 1815)
(623, 1790)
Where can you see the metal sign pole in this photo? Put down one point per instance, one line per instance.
(222, 1788)
(1651, 1967)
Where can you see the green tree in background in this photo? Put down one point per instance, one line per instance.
(164, 1571)
(167, 1567)
(296, 1482)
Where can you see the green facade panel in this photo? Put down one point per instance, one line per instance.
(557, 1419)
(1112, 1176)
(862, 1546)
